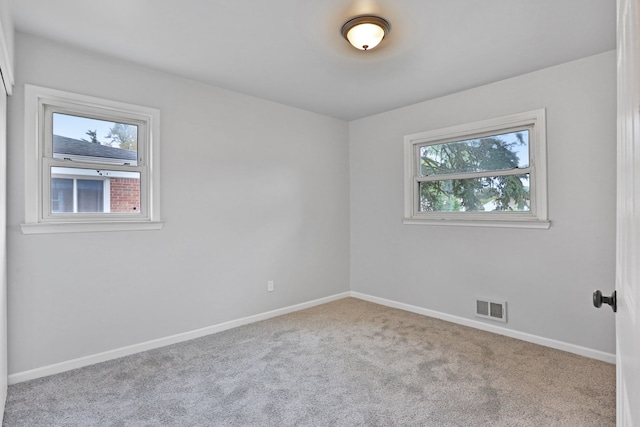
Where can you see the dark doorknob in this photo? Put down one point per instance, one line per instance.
(599, 299)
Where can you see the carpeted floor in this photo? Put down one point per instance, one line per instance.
(346, 363)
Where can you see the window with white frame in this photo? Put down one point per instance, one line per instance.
(93, 163)
(488, 173)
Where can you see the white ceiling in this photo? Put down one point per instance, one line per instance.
(292, 52)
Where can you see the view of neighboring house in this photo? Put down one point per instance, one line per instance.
(82, 190)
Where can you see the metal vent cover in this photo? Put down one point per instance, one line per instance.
(482, 308)
(491, 309)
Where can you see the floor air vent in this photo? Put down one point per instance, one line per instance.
(491, 309)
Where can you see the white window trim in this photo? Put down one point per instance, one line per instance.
(536, 218)
(35, 221)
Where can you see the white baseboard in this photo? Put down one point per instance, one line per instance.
(197, 333)
(161, 342)
(547, 342)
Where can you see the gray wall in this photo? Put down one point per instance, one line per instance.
(251, 191)
(546, 276)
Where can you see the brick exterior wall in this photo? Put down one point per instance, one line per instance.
(125, 195)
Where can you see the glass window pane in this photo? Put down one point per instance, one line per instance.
(125, 194)
(91, 140)
(61, 195)
(90, 195)
(497, 152)
(498, 193)
(123, 191)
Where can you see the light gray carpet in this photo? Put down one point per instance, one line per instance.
(346, 363)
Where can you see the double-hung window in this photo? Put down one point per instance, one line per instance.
(489, 173)
(92, 164)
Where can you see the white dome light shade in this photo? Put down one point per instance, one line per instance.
(365, 32)
(365, 36)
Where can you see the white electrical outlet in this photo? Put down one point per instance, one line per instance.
(270, 286)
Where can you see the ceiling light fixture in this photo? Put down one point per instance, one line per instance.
(366, 31)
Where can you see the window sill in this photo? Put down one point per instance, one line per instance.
(538, 224)
(87, 227)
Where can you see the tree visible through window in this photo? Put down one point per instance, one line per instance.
(492, 171)
(504, 153)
